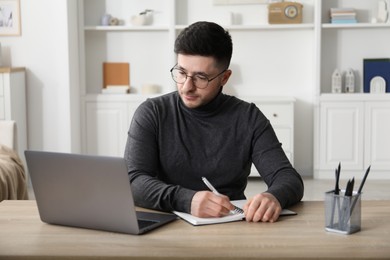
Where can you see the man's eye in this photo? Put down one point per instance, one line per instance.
(200, 77)
(180, 72)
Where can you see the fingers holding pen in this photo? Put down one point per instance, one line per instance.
(207, 204)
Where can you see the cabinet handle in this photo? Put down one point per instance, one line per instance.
(275, 115)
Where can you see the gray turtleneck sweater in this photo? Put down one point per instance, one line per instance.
(170, 147)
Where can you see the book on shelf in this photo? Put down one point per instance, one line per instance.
(110, 89)
(342, 21)
(116, 77)
(342, 15)
(338, 10)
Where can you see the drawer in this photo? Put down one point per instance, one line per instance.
(278, 114)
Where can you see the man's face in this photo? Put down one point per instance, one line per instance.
(192, 96)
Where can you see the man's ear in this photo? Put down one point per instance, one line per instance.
(226, 77)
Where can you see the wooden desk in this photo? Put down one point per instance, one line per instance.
(23, 235)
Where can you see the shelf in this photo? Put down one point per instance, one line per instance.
(11, 69)
(117, 97)
(355, 97)
(126, 28)
(180, 27)
(355, 25)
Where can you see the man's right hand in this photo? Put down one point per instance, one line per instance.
(206, 204)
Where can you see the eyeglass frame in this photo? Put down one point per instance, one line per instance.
(192, 77)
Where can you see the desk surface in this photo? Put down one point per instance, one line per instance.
(23, 235)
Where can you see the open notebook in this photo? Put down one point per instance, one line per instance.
(196, 221)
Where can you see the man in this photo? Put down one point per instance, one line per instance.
(196, 131)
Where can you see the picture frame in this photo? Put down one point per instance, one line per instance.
(9, 17)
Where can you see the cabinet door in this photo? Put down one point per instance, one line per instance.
(106, 128)
(341, 135)
(377, 138)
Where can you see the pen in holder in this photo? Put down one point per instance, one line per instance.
(342, 212)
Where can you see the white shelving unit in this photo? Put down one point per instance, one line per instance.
(153, 56)
(293, 60)
(348, 127)
(155, 42)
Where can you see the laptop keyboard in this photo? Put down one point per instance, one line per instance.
(145, 223)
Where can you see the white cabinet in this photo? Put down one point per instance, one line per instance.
(350, 128)
(377, 135)
(13, 103)
(107, 120)
(355, 133)
(341, 131)
(106, 128)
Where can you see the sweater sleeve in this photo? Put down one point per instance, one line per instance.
(141, 154)
(283, 181)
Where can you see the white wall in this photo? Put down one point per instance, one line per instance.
(43, 48)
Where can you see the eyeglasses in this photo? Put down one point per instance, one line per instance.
(199, 80)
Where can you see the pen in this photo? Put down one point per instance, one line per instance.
(360, 189)
(364, 179)
(349, 188)
(337, 189)
(214, 190)
(210, 186)
(347, 203)
(336, 199)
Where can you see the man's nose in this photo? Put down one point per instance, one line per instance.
(189, 83)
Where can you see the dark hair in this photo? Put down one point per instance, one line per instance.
(206, 39)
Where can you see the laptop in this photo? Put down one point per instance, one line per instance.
(88, 192)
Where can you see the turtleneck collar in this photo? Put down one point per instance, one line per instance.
(206, 109)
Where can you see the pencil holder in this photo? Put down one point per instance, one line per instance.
(342, 213)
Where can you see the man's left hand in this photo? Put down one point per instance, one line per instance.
(262, 207)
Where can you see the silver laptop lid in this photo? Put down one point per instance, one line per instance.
(83, 191)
